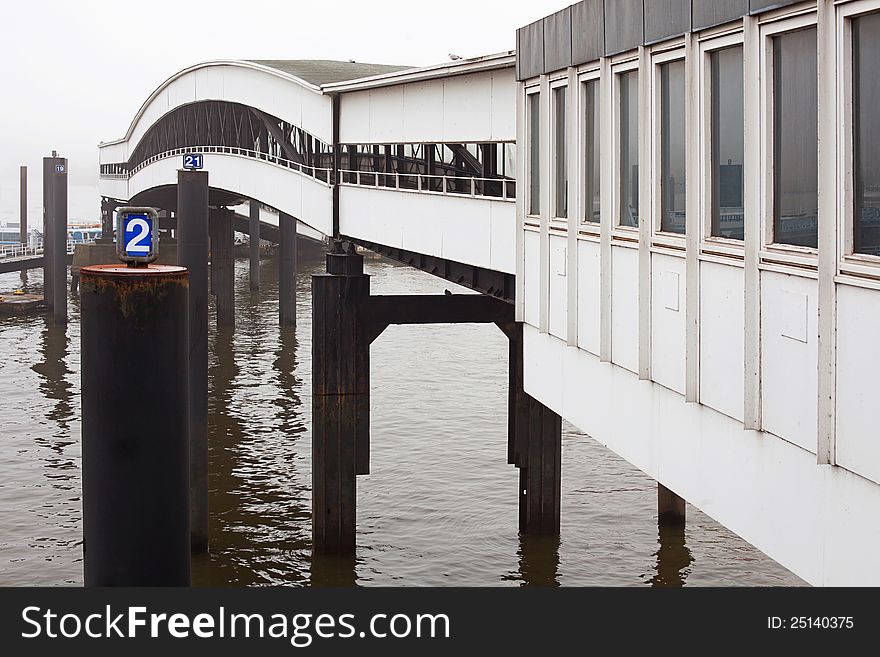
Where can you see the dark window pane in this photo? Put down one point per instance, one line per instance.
(866, 134)
(727, 143)
(629, 149)
(672, 176)
(591, 148)
(534, 154)
(560, 153)
(795, 137)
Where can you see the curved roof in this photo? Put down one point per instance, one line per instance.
(326, 71)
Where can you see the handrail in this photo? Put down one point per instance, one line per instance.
(492, 188)
(322, 174)
(10, 251)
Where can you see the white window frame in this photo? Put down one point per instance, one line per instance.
(530, 90)
(674, 241)
(619, 233)
(786, 254)
(858, 264)
(708, 242)
(593, 74)
(557, 83)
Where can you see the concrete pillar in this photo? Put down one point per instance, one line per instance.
(287, 271)
(255, 244)
(192, 253)
(340, 399)
(22, 204)
(535, 447)
(670, 508)
(223, 265)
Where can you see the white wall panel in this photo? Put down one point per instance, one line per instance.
(858, 364)
(504, 104)
(558, 324)
(532, 268)
(588, 296)
(789, 329)
(113, 188)
(503, 247)
(819, 522)
(625, 307)
(299, 196)
(722, 338)
(454, 227)
(668, 321)
(468, 106)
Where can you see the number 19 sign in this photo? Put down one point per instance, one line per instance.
(137, 235)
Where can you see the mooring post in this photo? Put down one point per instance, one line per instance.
(107, 208)
(59, 240)
(192, 253)
(48, 231)
(22, 201)
(254, 240)
(223, 265)
(287, 271)
(340, 399)
(670, 508)
(535, 447)
(135, 453)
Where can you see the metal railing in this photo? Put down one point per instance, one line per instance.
(501, 189)
(11, 251)
(322, 174)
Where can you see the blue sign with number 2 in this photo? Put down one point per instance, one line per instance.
(138, 235)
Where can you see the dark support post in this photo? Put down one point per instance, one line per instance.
(255, 244)
(340, 399)
(192, 253)
(287, 271)
(107, 208)
(22, 216)
(59, 240)
(135, 467)
(48, 231)
(535, 447)
(223, 265)
(670, 508)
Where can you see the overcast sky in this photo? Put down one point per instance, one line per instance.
(74, 73)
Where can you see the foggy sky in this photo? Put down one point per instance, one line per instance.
(74, 73)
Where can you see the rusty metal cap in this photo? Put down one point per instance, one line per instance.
(123, 271)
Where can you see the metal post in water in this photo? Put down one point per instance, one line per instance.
(22, 217)
(135, 452)
(59, 240)
(287, 271)
(340, 400)
(48, 232)
(255, 245)
(192, 253)
(223, 264)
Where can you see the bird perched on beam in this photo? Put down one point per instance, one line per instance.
(453, 56)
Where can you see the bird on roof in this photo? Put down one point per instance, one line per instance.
(453, 56)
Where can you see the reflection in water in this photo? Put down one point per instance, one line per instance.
(333, 571)
(673, 557)
(539, 560)
(54, 374)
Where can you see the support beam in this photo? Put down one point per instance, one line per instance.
(223, 265)
(55, 236)
(192, 253)
(255, 244)
(670, 508)
(287, 271)
(22, 214)
(340, 400)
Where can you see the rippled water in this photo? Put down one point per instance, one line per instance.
(439, 508)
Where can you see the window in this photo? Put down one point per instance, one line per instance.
(560, 163)
(592, 162)
(866, 133)
(534, 109)
(629, 148)
(727, 143)
(672, 148)
(795, 139)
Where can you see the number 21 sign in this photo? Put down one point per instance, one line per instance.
(137, 235)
